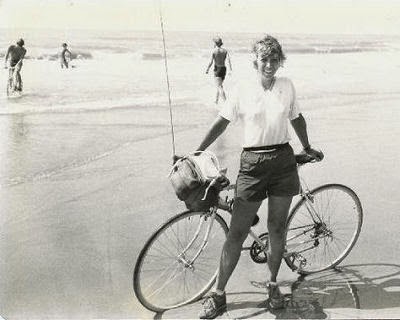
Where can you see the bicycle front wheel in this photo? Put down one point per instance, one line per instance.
(179, 262)
(323, 228)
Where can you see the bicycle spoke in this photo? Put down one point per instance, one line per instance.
(164, 249)
(179, 245)
(169, 280)
(175, 267)
(335, 215)
(156, 280)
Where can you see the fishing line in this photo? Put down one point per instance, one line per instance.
(167, 79)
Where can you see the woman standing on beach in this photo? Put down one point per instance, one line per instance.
(218, 57)
(65, 56)
(268, 167)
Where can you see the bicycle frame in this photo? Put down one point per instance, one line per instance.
(307, 198)
(304, 196)
(211, 216)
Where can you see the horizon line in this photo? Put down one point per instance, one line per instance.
(201, 31)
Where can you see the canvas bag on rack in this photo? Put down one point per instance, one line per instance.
(191, 176)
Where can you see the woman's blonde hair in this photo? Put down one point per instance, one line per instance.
(268, 45)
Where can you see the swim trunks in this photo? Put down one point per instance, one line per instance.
(220, 72)
(13, 63)
(267, 173)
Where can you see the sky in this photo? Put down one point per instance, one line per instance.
(278, 16)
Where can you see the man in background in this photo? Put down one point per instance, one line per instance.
(218, 57)
(65, 56)
(16, 54)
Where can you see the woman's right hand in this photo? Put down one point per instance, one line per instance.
(317, 155)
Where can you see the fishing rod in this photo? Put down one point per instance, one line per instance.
(167, 79)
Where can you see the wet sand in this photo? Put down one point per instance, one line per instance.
(360, 152)
(81, 192)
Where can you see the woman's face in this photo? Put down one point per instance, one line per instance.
(267, 65)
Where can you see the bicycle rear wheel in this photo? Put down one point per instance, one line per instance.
(173, 267)
(322, 230)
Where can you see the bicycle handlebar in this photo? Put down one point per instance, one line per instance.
(221, 182)
(303, 158)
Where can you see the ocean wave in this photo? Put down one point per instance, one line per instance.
(152, 56)
(175, 50)
(51, 56)
(80, 55)
(317, 49)
(172, 54)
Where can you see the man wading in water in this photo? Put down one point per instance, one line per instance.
(218, 57)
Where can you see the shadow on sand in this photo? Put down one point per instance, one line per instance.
(371, 286)
(364, 286)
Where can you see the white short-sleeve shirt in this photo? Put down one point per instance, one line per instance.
(264, 113)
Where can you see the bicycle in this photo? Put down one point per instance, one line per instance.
(14, 82)
(179, 262)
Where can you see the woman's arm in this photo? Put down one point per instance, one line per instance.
(229, 60)
(300, 127)
(217, 128)
(211, 62)
(6, 56)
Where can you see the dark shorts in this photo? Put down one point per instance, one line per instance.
(219, 72)
(269, 173)
(15, 66)
(13, 63)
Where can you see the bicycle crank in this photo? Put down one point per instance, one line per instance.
(258, 252)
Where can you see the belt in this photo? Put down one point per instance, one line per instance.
(272, 147)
